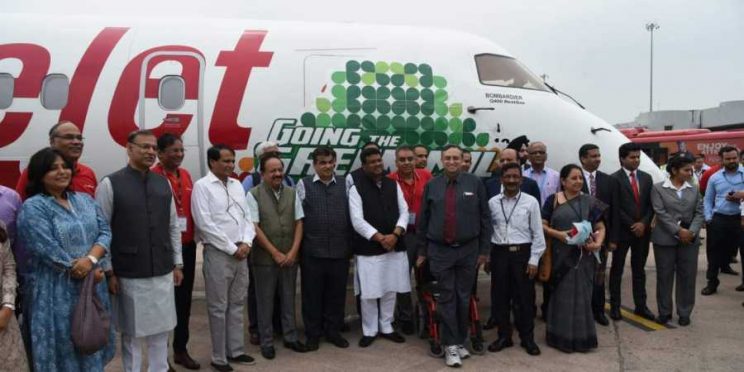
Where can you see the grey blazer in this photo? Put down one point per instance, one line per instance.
(672, 210)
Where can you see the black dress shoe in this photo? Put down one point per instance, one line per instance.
(500, 344)
(663, 319)
(408, 328)
(728, 270)
(601, 318)
(243, 359)
(615, 313)
(490, 324)
(254, 339)
(393, 336)
(268, 352)
(338, 341)
(740, 288)
(221, 367)
(183, 358)
(531, 347)
(311, 344)
(709, 290)
(644, 312)
(296, 346)
(366, 341)
(684, 321)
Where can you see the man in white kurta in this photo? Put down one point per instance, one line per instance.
(379, 214)
(146, 254)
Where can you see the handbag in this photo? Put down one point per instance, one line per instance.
(546, 261)
(90, 320)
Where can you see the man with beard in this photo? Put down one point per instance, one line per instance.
(422, 156)
(520, 144)
(467, 160)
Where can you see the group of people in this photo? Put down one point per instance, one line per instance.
(136, 232)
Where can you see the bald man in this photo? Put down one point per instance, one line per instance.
(548, 180)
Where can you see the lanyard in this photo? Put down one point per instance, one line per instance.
(741, 176)
(512, 210)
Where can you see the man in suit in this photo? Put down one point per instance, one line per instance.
(599, 185)
(630, 229)
(493, 188)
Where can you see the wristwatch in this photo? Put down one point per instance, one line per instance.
(93, 259)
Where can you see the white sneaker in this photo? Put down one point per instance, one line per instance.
(463, 352)
(452, 356)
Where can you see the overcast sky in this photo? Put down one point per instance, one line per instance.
(596, 51)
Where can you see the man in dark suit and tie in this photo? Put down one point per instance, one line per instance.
(632, 214)
(601, 186)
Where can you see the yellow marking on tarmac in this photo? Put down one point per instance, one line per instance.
(629, 315)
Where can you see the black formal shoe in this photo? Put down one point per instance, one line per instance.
(709, 290)
(254, 339)
(601, 318)
(268, 352)
(311, 344)
(644, 312)
(408, 328)
(740, 288)
(500, 344)
(663, 319)
(221, 367)
(296, 346)
(338, 341)
(728, 270)
(531, 347)
(684, 321)
(490, 324)
(183, 358)
(366, 341)
(615, 313)
(393, 336)
(243, 359)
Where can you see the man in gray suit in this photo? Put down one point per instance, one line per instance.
(679, 218)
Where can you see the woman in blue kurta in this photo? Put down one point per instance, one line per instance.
(66, 235)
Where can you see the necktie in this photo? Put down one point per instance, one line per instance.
(634, 186)
(450, 205)
(592, 185)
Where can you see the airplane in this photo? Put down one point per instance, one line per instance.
(242, 82)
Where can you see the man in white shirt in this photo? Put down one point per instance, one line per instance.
(224, 226)
(518, 244)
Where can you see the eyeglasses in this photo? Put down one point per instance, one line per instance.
(145, 146)
(70, 137)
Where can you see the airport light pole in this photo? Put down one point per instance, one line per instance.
(650, 27)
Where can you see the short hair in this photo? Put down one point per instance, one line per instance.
(261, 147)
(366, 153)
(322, 151)
(371, 143)
(585, 148)
(53, 129)
(213, 153)
(265, 159)
(466, 151)
(726, 149)
(626, 148)
(421, 146)
(41, 162)
(510, 166)
(166, 140)
(403, 148)
(141, 132)
(699, 156)
(566, 170)
(451, 146)
(678, 161)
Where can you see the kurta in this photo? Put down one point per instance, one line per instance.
(54, 236)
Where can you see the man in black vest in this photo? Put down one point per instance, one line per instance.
(326, 249)
(379, 215)
(454, 231)
(599, 185)
(145, 253)
(630, 231)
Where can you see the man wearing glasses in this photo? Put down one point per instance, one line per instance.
(145, 253)
(65, 137)
(548, 180)
(225, 226)
(411, 181)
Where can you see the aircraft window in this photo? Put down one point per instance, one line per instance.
(54, 91)
(506, 72)
(172, 94)
(7, 84)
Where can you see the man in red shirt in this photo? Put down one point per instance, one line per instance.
(65, 137)
(412, 181)
(170, 154)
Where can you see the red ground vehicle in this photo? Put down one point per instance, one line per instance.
(659, 145)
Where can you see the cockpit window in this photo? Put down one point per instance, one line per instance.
(506, 72)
